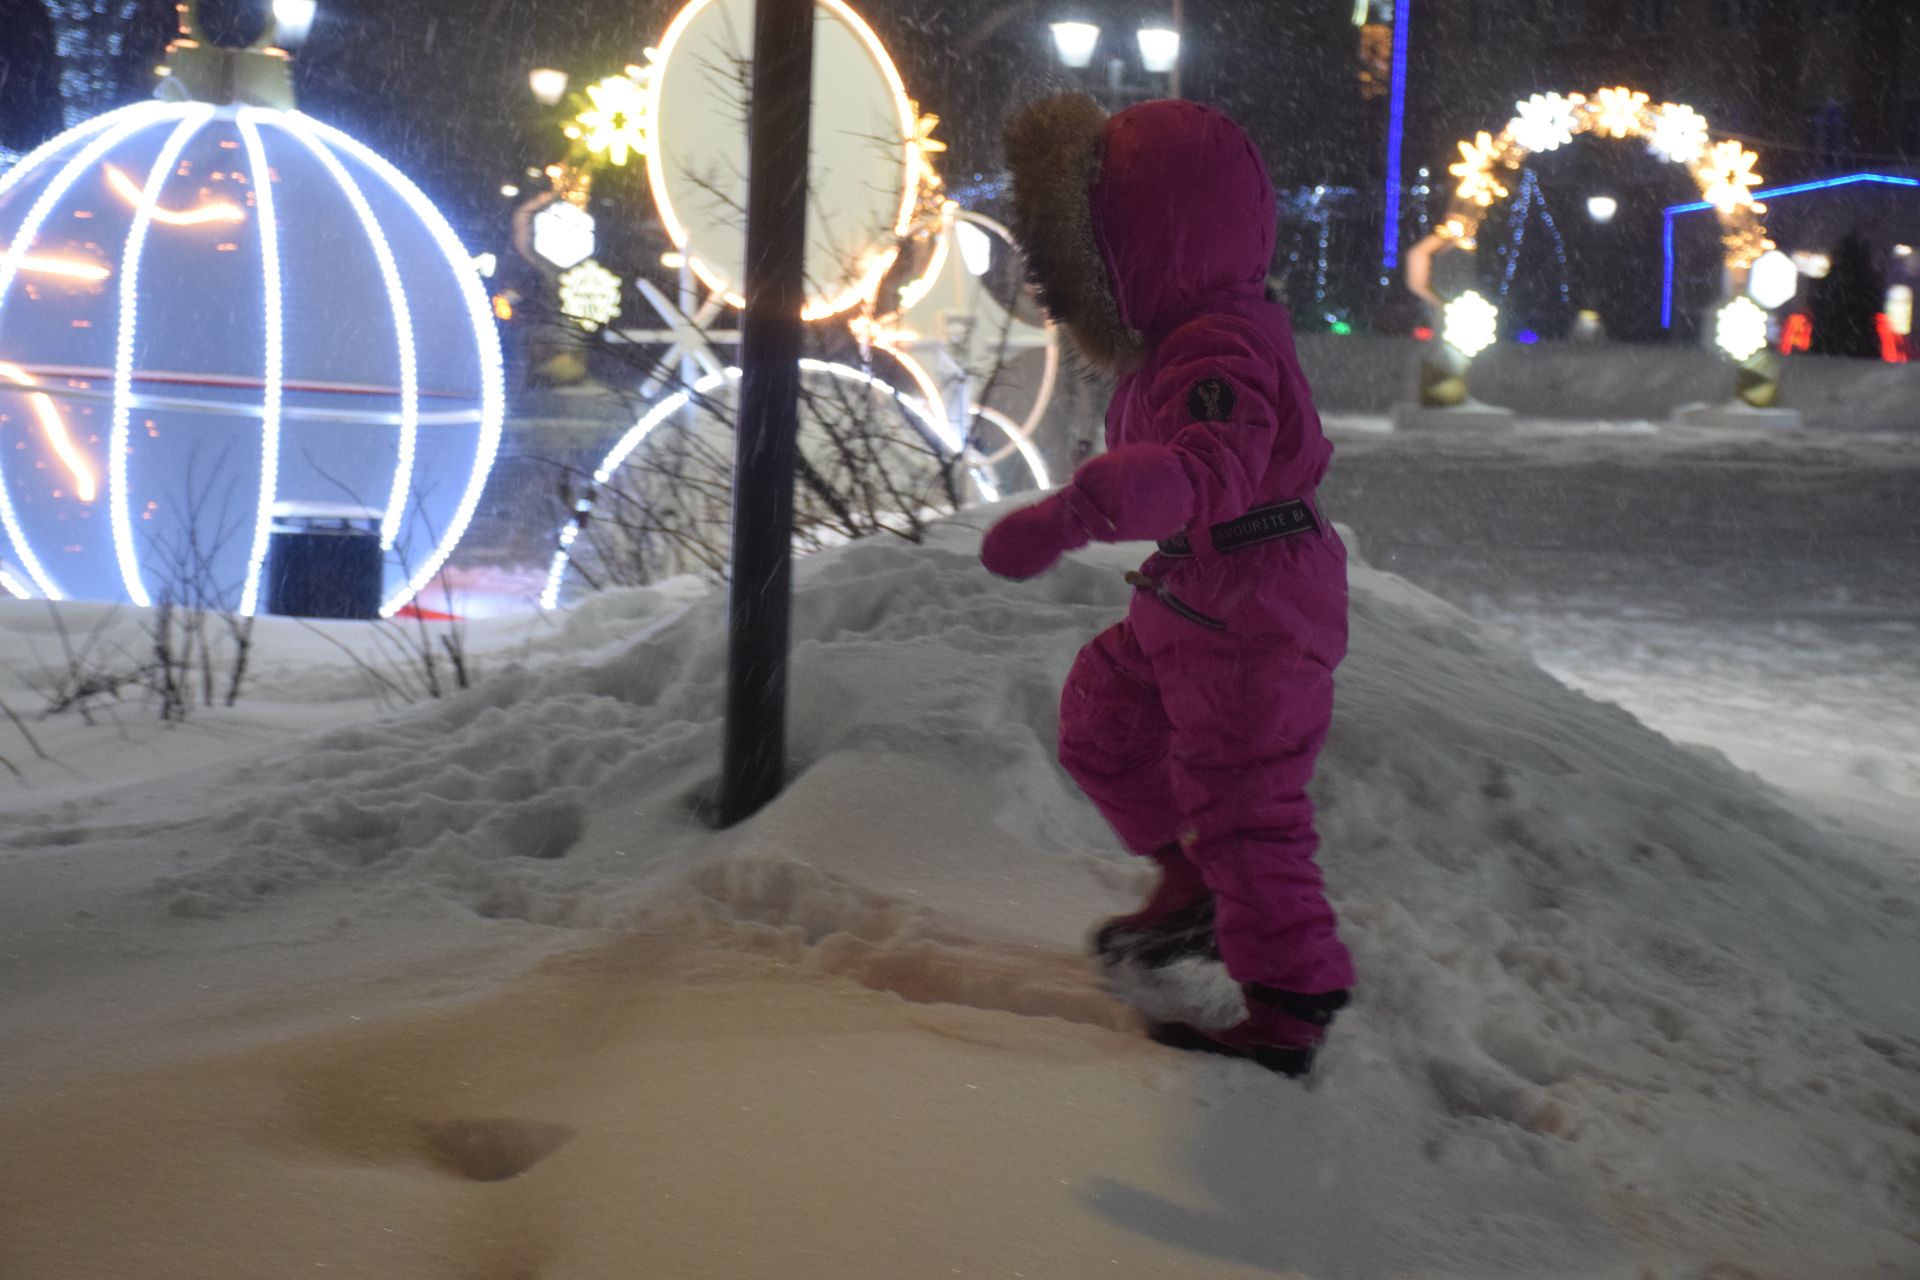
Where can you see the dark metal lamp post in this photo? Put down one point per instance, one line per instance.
(760, 588)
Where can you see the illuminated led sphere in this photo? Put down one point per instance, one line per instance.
(211, 314)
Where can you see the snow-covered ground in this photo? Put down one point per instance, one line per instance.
(1752, 591)
(467, 988)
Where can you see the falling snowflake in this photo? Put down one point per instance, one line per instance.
(590, 294)
(1726, 177)
(1740, 329)
(1478, 182)
(615, 120)
(1546, 121)
(1616, 112)
(1679, 134)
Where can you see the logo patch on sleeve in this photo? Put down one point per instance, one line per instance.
(1211, 400)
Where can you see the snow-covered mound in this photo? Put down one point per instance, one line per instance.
(1621, 1012)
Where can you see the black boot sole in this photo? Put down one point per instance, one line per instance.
(1293, 1063)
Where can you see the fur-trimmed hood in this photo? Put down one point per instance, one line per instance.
(1133, 224)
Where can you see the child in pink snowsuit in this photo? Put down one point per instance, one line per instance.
(1193, 724)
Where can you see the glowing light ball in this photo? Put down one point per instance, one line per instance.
(212, 313)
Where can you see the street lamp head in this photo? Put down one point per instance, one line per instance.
(548, 84)
(1602, 208)
(292, 21)
(1076, 42)
(1159, 49)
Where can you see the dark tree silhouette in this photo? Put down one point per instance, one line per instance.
(1845, 303)
(29, 76)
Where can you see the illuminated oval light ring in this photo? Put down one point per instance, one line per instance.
(493, 395)
(402, 321)
(948, 284)
(636, 435)
(196, 116)
(100, 136)
(273, 393)
(878, 259)
(115, 128)
(1017, 441)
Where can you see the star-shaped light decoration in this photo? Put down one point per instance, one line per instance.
(925, 145)
(614, 122)
(1679, 134)
(1740, 329)
(1546, 121)
(590, 295)
(1616, 112)
(1727, 178)
(1478, 182)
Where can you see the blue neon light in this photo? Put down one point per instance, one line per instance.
(1666, 282)
(1771, 193)
(1396, 133)
(1527, 337)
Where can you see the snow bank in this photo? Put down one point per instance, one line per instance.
(1622, 1013)
(1612, 380)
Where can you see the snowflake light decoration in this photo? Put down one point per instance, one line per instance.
(1471, 325)
(614, 122)
(590, 295)
(1679, 134)
(1478, 182)
(1726, 177)
(1546, 121)
(1740, 329)
(1616, 112)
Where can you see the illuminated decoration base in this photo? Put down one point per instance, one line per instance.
(1467, 415)
(208, 312)
(1739, 415)
(913, 437)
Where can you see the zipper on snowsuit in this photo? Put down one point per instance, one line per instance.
(1142, 582)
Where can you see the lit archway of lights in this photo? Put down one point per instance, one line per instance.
(255, 128)
(936, 427)
(1547, 121)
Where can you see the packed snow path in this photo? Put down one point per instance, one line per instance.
(468, 989)
(1755, 591)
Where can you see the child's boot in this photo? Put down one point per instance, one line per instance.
(1163, 959)
(1281, 1030)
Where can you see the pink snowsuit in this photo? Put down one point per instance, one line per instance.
(1197, 720)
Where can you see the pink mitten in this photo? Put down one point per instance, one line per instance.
(1026, 541)
(1135, 491)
